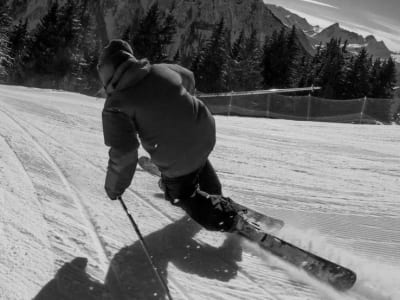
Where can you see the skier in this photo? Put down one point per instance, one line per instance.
(155, 103)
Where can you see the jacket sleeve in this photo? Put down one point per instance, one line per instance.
(120, 135)
(187, 76)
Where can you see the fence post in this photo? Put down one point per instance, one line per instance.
(363, 108)
(309, 107)
(268, 104)
(230, 104)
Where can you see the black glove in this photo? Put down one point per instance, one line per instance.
(113, 195)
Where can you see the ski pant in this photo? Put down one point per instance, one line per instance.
(182, 192)
(182, 187)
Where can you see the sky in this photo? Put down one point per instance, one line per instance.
(379, 18)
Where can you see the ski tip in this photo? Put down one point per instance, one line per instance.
(347, 282)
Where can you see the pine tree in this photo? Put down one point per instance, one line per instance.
(154, 35)
(69, 56)
(388, 77)
(347, 92)
(376, 88)
(177, 57)
(212, 70)
(5, 21)
(43, 50)
(166, 35)
(384, 74)
(292, 51)
(192, 41)
(195, 65)
(267, 63)
(332, 73)
(127, 34)
(237, 54)
(279, 59)
(304, 71)
(64, 49)
(247, 73)
(19, 38)
(359, 76)
(83, 75)
(316, 67)
(237, 47)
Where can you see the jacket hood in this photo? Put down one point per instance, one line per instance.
(128, 74)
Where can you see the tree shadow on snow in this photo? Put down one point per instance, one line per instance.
(130, 275)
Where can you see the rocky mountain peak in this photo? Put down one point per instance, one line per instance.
(335, 26)
(335, 31)
(370, 38)
(291, 19)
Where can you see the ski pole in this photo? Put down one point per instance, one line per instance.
(146, 250)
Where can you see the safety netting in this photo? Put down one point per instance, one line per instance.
(267, 104)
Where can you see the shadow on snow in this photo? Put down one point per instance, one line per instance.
(130, 275)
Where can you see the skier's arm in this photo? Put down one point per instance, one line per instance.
(120, 135)
(187, 76)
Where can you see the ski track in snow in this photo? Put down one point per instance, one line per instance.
(100, 247)
(18, 236)
(323, 189)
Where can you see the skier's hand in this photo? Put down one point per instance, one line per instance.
(112, 194)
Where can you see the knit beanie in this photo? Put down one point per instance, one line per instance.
(114, 54)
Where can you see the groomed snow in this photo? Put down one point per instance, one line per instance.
(335, 185)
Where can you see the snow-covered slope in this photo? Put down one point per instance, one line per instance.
(335, 185)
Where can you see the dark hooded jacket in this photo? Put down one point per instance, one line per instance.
(154, 104)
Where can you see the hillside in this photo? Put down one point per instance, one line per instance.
(335, 185)
(195, 18)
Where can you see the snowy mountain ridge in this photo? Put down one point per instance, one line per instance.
(291, 19)
(317, 35)
(355, 41)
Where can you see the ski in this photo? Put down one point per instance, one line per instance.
(258, 228)
(320, 268)
(259, 220)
